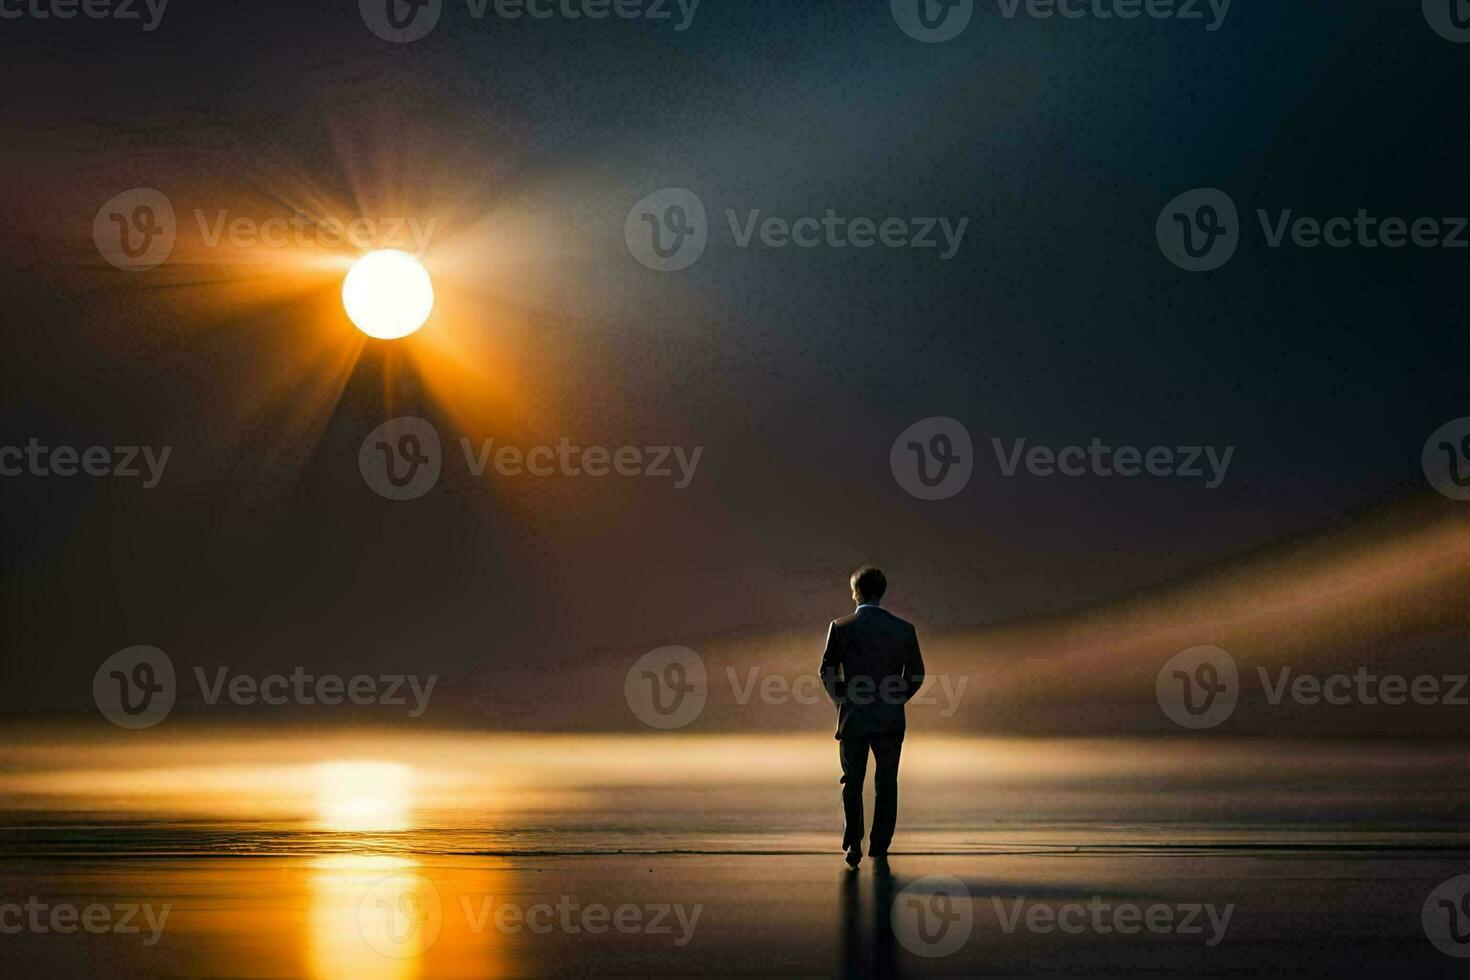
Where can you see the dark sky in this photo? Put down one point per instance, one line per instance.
(1058, 320)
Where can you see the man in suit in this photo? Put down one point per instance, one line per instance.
(871, 668)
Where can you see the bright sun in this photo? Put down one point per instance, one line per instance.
(388, 294)
(363, 796)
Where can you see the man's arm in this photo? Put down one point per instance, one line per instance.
(913, 668)
(832, 666)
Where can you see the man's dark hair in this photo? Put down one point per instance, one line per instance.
(869, 583)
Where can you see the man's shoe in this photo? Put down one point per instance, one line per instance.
(854, 855)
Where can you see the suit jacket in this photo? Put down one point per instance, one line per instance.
(871, 668)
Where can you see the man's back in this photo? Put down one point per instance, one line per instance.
(871, 668)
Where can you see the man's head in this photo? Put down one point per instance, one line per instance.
(868, 585)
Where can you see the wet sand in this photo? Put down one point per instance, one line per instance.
(396, 857)
(1049, 913)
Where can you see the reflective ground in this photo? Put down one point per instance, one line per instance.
(434, 856)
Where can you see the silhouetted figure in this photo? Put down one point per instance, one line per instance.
(871, 668)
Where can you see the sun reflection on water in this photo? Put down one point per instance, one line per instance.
(357, 921)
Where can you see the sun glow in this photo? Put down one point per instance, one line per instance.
(388, 294)
(365, 796)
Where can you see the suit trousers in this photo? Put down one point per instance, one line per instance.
(853, 751)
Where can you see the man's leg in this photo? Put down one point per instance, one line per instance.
(886, 749)
(854, 755)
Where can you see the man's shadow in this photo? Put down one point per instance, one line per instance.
(866, 945)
